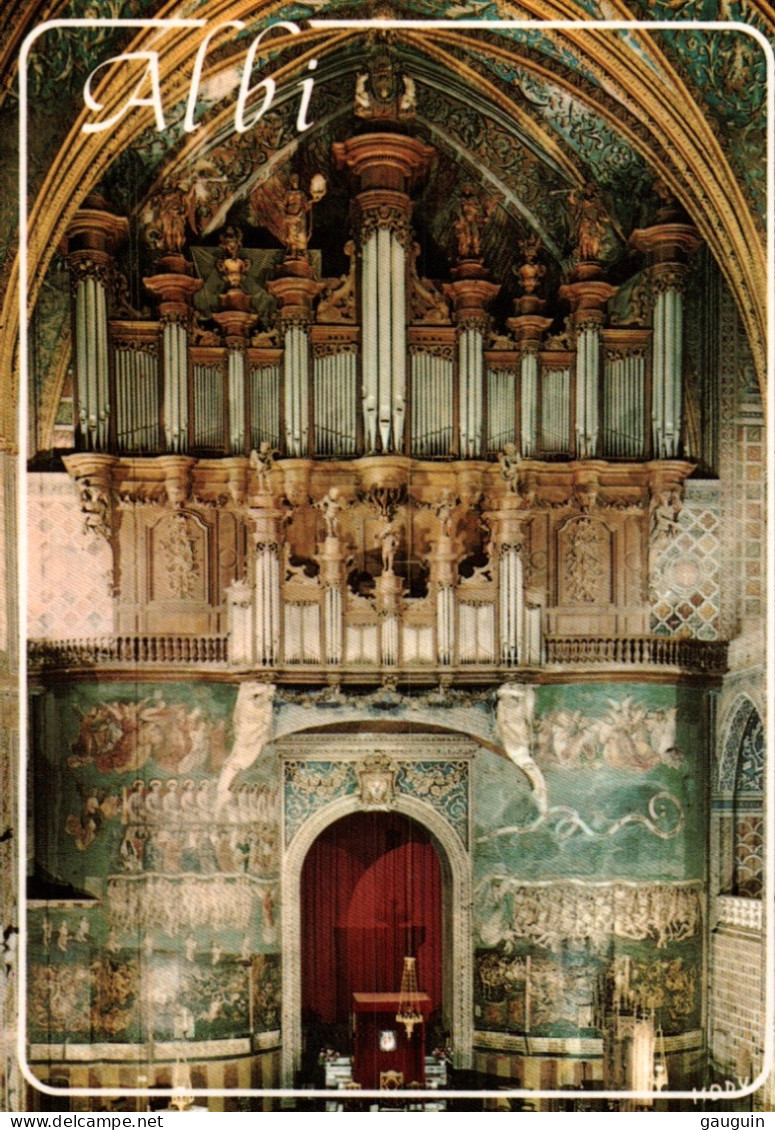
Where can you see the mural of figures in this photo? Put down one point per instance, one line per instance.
(119, 737)
(627, 736)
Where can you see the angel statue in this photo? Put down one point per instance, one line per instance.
(514, 724)
(297, 215)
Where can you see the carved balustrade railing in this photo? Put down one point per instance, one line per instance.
(705, 656)
(128, 649)
(697, 656)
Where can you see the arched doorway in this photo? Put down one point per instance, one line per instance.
(456, 898)
(371, 893)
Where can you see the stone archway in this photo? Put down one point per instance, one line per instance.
(457, 887)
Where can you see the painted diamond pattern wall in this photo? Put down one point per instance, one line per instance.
(685, 579)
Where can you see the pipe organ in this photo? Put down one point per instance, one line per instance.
(385, 383)
(460, 495)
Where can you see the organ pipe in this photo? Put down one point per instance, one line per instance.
(384, 339)
(587, 378)
(332, 610)
(511, 602)
(432, 378)
(445, 624)
(528, 403)
(137, 400)
(267, 596)
(666, 404)
(236, 386)
(91, 361)
(470, 370)
(296, 389)
(175, 369)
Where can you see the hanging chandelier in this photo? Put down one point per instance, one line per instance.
(408, 1013)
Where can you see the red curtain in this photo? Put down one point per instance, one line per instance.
(370, 894)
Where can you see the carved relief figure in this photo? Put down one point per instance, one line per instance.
(252, 727)
(262, 461)
(331, 507)
(514, 721)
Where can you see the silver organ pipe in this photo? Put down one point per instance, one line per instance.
(91, 360)
(389, 639)
(370, 342)
(501, 408)
(236, 384)
(624, 405)
(666, 405)
(432, 389)
(264, 395)
(445, 624)
(384, 340)
(398, 339)
(555, 411)
(175, 362)
(296, 390)
(385, 345)
(335, 376)
(137, 400)
(470, 372)
(511, 601)
(332, 609)
(528, 403)
(587, 377)
(267, 596)
(208, 406)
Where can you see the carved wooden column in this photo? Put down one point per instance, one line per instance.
(386, 166)
(296, 289)
(587, 297)
(93, 235)
(669, 248)
(174, 290)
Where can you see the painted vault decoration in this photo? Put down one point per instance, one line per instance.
(395, 496)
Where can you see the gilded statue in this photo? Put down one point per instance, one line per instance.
(531, 272)
(469, 226)
(175, 209)
(589, 221)
(233, 266)
(297, 215)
